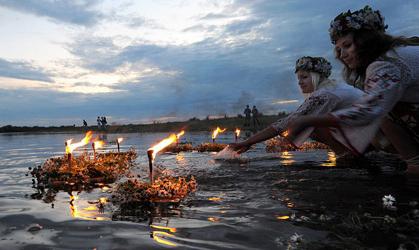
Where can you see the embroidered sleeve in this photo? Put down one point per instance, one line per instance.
(383, 89)
(318, 103)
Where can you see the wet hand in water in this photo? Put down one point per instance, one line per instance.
(240, 147)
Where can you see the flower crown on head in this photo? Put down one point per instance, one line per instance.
(314, 64)
(365, 18)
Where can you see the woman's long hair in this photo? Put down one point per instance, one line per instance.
(370, 45)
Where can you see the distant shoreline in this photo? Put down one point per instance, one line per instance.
(193, 124)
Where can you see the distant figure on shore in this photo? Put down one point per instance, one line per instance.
(99, 122)
(84, 123)
(103, 121)
(255, 114)
(247, 113)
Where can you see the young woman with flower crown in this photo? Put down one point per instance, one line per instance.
(322, 94)
(386, 68)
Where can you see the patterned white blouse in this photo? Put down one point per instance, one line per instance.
(391, 78)
(322, 101)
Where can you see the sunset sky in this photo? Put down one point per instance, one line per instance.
(164, 60)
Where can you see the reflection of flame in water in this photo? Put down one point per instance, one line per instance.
(72, 146)
(158, 237)
(216, 131)
(214, 199)
(213, 219)
(331, 160)
(89, 212)
(288, 158)
(170, 229)
(284, 217)
(180, 159)
(161, 236)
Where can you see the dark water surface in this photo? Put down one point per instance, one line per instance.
(262, 203)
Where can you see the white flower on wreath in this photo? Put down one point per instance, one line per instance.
(296, 238)
(388, 200)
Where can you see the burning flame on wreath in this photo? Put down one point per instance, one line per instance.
(180, 134)
(218, 130)
(72, 146)
(161, 145)
(99, 144)
(237, 132)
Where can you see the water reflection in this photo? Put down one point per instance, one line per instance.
(87, 211)
(232, 202)
(331, 160)
(287, 158)
(180, 159)
(161, 236)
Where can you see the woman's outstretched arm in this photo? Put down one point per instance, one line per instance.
(263, 135)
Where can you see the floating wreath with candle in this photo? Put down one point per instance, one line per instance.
(210, 147)
(71, 172)
(134, 192)
(279, 144)
(60, 173)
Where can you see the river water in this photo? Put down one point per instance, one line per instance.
(288, 200)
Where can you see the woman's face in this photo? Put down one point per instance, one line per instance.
(305, 82)
(345, 50)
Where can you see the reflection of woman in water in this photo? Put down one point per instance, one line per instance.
(387, 69)
(322, 94)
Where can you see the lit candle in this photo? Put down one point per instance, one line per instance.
(118, 141)
(150, 164)
(94, 150)
(67, 150)
(236, 134)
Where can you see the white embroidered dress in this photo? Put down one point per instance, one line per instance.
(322, 101)
(390, 79)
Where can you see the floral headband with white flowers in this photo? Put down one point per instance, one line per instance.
(314, 64)
(365, 18)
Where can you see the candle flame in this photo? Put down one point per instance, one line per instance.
(218, 130)
(72, 146)
(237, 131)
(98, 144)
(120, 139)
(180, 134)
(161, 145)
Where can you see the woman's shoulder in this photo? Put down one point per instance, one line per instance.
(324, 93)
(340, 90)
(383, 66)
(395, 63)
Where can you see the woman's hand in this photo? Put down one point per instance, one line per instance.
(240, 147)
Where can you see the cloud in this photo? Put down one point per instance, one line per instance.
(244, 53)
(22, 70)
(73, 12)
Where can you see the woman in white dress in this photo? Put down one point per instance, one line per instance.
(322, 94)
(386, 68)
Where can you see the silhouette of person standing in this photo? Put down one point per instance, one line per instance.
(247, 113)
(255, 114)
(84, 123)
